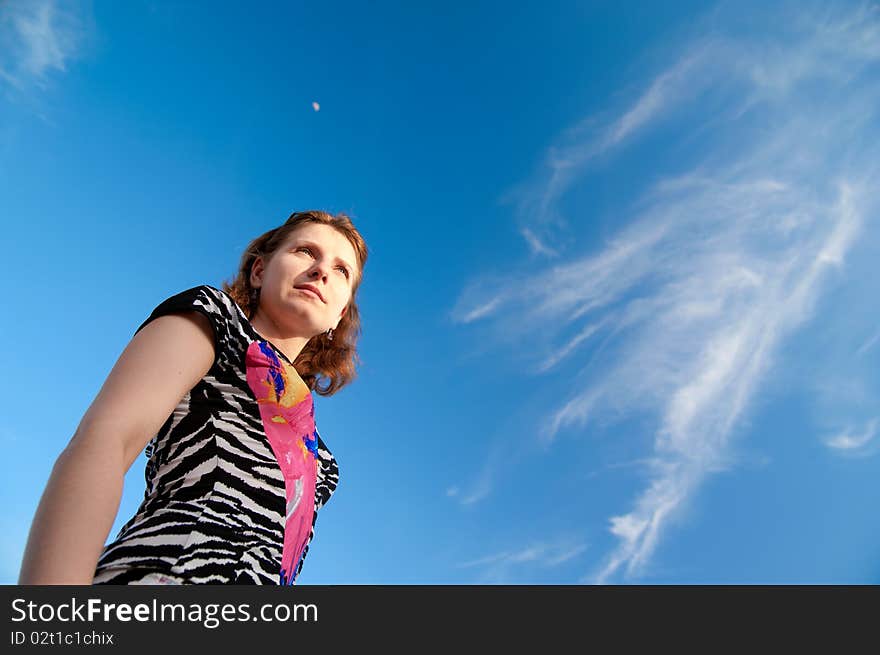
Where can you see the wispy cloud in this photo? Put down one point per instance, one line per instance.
(725, 252)
(37, 38)
(855, 443)
(865, 347)
(507, 567)
(535, 243)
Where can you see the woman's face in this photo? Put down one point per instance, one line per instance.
(316, 256)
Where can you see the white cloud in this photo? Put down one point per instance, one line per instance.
(535, 243)
(481, 311)
(568, 348)
(37, 37)
(507, 567)
(854, 442)
(721, 259)
(865, 347)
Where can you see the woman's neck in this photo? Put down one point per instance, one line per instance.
(267, 329)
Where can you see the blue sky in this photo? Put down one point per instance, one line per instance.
(620, 319)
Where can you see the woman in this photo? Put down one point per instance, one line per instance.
(217, 386)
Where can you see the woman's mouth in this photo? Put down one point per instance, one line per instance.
(310, 291)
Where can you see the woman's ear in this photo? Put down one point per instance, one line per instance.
(344, 309)
(257, 273)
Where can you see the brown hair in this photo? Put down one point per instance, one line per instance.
(333, 359)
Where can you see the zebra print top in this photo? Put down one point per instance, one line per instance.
(237, 473)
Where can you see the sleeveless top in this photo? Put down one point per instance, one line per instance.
(237, 473)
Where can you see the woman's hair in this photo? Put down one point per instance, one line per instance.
(333, 359)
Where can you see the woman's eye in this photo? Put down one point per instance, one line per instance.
(309, 250)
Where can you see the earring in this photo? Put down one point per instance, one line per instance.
(330, 334)
(255, 297)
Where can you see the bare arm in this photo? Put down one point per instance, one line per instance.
(161, 363)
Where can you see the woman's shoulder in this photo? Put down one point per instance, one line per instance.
(219, 307)
(206, 299)
(211, 295)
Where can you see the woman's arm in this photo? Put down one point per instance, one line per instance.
(162, 362)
